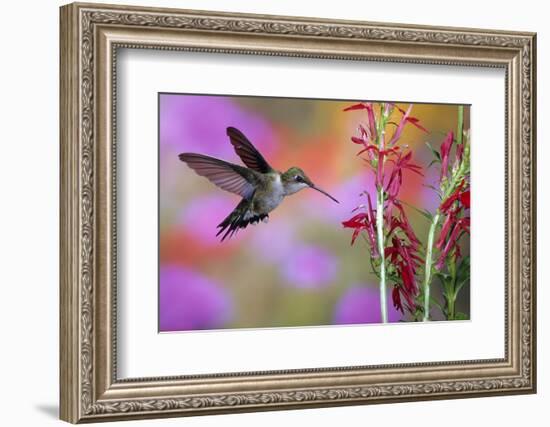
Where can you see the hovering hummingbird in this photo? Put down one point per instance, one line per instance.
(261, 187)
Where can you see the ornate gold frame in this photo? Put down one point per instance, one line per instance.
(90, 36)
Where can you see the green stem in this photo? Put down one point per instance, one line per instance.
(451, 297)
(452, 291)
(381, 131)
(380, 238)
(428, 267)
(460, 126)
(448, 190)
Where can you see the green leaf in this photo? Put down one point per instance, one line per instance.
(422, 212)
(442, 276)
(461, 316)
(434, 151)
(432, 188)
(460, 285)
(460, 126)
(463, 270)
(433, 162)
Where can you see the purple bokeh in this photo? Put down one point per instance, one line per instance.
(430, 198)
(196, 123)
(202, 214)
(274, 241)
(190, 301)
(349, 195)
(361, 304)
(309, 267)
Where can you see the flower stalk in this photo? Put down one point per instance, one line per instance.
(450, 294)
(380, 132)
(396, 254)
(455, 201)
(393, 244)
(428, 266)
(381, 250)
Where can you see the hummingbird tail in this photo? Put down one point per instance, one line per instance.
(239, 218)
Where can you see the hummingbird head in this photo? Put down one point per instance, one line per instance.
(295, 179)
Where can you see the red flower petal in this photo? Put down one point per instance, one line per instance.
(360, 106)
(355, 221)
(397, 134)
(449, 219)
(462, 225)
(414, 121)
(396, 298)
(372, 121)
(369, 148)
(445, 206)
(465, 199)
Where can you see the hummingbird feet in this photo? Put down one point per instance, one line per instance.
(264, 218)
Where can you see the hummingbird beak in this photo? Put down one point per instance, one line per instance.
(322, 191)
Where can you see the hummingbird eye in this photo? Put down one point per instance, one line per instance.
(298, 178)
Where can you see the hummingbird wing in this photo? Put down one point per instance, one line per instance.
(229, 177)
(250, 156)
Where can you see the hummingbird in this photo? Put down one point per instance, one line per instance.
(261, 187)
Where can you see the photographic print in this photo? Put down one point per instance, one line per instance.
(278, 212)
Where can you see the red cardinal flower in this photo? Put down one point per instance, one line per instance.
(461, 226)
(364, 221)
(400, 126)
(412, 120)
(370, 113)
(445, 151)
(388, 160)
(396, 177)
(360, 106)
(464, 198)
(358, 222)
(450, 219)
(458, 194)
(399, 290)
(396, 298)
(403, 223)
(456, 222)
(404, 256)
